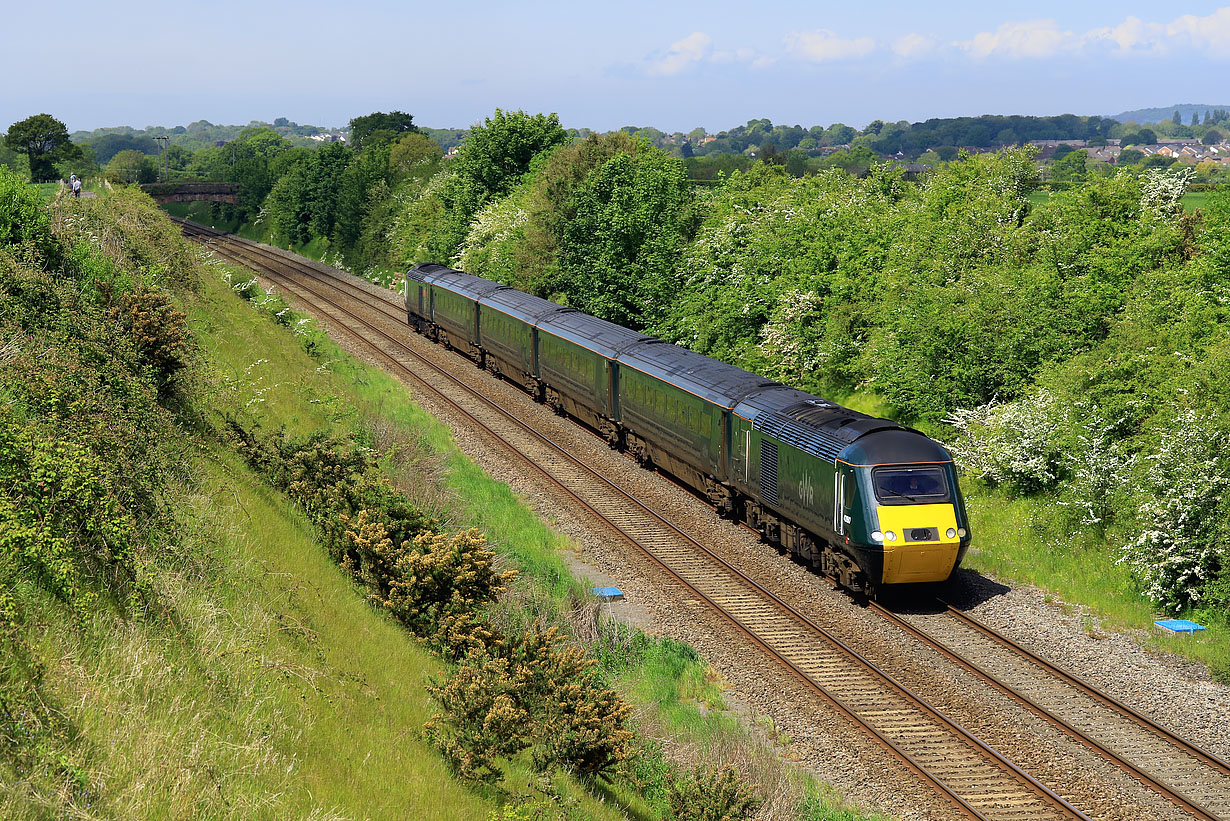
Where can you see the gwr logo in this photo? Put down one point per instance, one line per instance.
(807, 491)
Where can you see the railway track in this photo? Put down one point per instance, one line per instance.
(1187, 775)
(975, 778)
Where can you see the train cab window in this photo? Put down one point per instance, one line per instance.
(913, 485)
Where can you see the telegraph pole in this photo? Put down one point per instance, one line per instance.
(162, 145)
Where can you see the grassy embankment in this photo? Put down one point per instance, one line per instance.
(255, 680)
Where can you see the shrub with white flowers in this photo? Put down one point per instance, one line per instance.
(1010, 444)
(1097, 470)
(1178, 551)
(1161, 189)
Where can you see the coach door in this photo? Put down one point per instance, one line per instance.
(839, 502)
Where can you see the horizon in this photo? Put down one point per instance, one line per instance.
(650, 64)
(1201, 107)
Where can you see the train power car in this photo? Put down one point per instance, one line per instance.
(862, 500)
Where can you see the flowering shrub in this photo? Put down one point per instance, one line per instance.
(157, 328)
(435, 584)
(1179, 550)
(1162, 189)
(529, 692)
(712, 795)
(1098, 471)
(1009, 444)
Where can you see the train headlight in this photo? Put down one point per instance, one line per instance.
(952, 534)
(891, 536)
(877, 536)
(961, 532)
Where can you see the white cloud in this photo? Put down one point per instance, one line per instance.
(822, 46)
(913, 45)
(1208, 35)
(1132, 36)
(1039, 39)
(1031, 38)
(681, 54)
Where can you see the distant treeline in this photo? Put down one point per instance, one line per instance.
(909, 140)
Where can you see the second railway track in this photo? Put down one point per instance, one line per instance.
(974, 777)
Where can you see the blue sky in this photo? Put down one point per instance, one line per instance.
(674, 66)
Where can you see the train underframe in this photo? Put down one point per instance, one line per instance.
(817, 553)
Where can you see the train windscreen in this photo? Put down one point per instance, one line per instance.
(910, 485)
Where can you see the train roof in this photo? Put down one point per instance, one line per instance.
(526, 307)
(834, 432)
(423, 270)
(465, 284)
(598, 335)
(695, 373)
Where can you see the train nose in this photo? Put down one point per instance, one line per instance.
(928, 545)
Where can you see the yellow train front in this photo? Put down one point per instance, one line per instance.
(876, 504)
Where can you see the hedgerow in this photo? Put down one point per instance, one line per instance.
(509, 692)
(91, 350)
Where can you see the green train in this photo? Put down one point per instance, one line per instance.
(865, 501)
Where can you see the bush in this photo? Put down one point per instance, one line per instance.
(713, 795)
(158, 330)
(1179, 553)
(529, 692)
(435, 585)
(25, 221)
(1013, 444)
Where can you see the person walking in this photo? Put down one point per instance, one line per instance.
(75, 182)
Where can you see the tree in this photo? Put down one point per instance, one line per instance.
(837, 134)
(413, 155)
(495, 154)
(380, 127)
(1177, 119)
(1071, 170)
(630, 218)
(1212, 137)
(1130, 156)
(1195, 118)
(131, 166)
(44, 140)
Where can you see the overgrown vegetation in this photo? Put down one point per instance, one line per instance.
(166, 635)
(1052, 340)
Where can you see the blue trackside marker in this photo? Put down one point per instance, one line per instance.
(608, 593)
(1179, 626)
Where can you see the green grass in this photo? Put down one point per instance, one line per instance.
(1195, 200)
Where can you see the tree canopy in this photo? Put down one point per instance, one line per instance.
(44, 140)
(380, 127)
